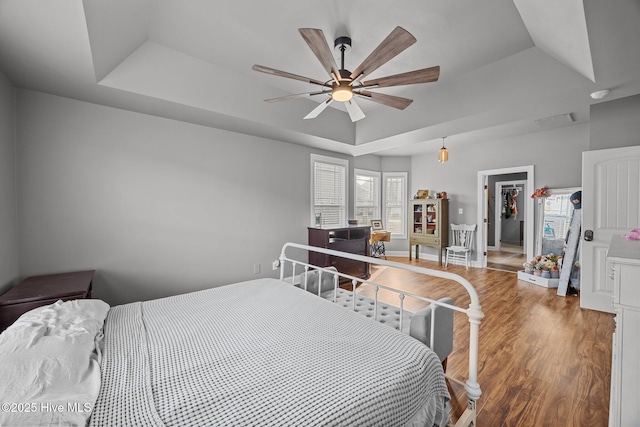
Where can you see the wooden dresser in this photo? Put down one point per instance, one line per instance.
(354, 240)
(37, 291)
(623, 260)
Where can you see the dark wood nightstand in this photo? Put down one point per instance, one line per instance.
(36, 291)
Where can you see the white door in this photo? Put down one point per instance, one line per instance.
(610, 206)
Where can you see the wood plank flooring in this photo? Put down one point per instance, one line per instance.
(543, 360)
(510, 258)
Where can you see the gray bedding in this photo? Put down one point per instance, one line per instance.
(262, 353)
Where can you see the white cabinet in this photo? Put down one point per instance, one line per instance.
(623, 260)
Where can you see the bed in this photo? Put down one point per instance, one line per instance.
(261, 352)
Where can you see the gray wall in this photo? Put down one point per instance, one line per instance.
(614, 124)
(556, 155)
(156, 206)
(160, 207)
(8, 219)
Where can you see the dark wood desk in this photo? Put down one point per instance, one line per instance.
(36, 291)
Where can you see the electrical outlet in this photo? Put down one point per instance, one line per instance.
(256, 268)
(459, 211)
(276, 264)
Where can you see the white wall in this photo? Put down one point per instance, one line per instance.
(156, 206)
(556, 156)
(8, 218)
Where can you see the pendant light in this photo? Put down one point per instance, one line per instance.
(443, 155)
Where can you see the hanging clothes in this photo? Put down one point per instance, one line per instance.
(506, 209)
(510, 203)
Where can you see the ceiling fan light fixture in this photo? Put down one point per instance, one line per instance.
(443, 154)
(342, 93)
(344, 84)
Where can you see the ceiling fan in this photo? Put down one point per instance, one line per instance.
(344, 84)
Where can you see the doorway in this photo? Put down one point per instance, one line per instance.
(505, 233)
(514, 250)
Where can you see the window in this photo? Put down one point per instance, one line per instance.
(367, 196)
(394, 194)
(329, 190)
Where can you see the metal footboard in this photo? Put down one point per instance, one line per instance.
(293, 270)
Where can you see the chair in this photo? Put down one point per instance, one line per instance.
(462, 245)
(377, 239)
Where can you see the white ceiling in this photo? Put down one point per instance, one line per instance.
(504, 63)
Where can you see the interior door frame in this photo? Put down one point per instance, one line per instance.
(482, 210)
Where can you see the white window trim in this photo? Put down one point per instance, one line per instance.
(333, 160)
(375, 174)
(383, 206)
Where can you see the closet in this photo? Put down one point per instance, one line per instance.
(509, 215)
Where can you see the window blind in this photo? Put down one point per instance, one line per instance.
(395, 201)
(329, 192)
(367, 196)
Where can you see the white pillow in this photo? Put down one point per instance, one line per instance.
(49, 364)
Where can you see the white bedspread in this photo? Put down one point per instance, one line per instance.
(49, 369)
(261, 353)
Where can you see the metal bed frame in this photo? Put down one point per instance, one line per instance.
(473, 312)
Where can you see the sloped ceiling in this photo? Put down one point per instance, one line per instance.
(504, 63)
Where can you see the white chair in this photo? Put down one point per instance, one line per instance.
(462, 244)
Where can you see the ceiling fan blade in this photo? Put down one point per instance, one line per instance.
(396, 42)
(274, 72)
(319, 109)
(318, 43)
(294, 96)
(354, 110)
(426, 75)
(384, 99)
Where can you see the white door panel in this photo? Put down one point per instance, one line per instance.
(610, 206)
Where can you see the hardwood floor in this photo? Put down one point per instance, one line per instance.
(543, 360)
(509, 258)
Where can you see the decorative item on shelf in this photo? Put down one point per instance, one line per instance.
(352, 222)
(376, 224)
(540, 192)
(633, 234)
(318, 220)
(422, 194)
(443, 195)
(443, 154)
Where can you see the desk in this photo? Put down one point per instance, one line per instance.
(377, 240)
(37, 291)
